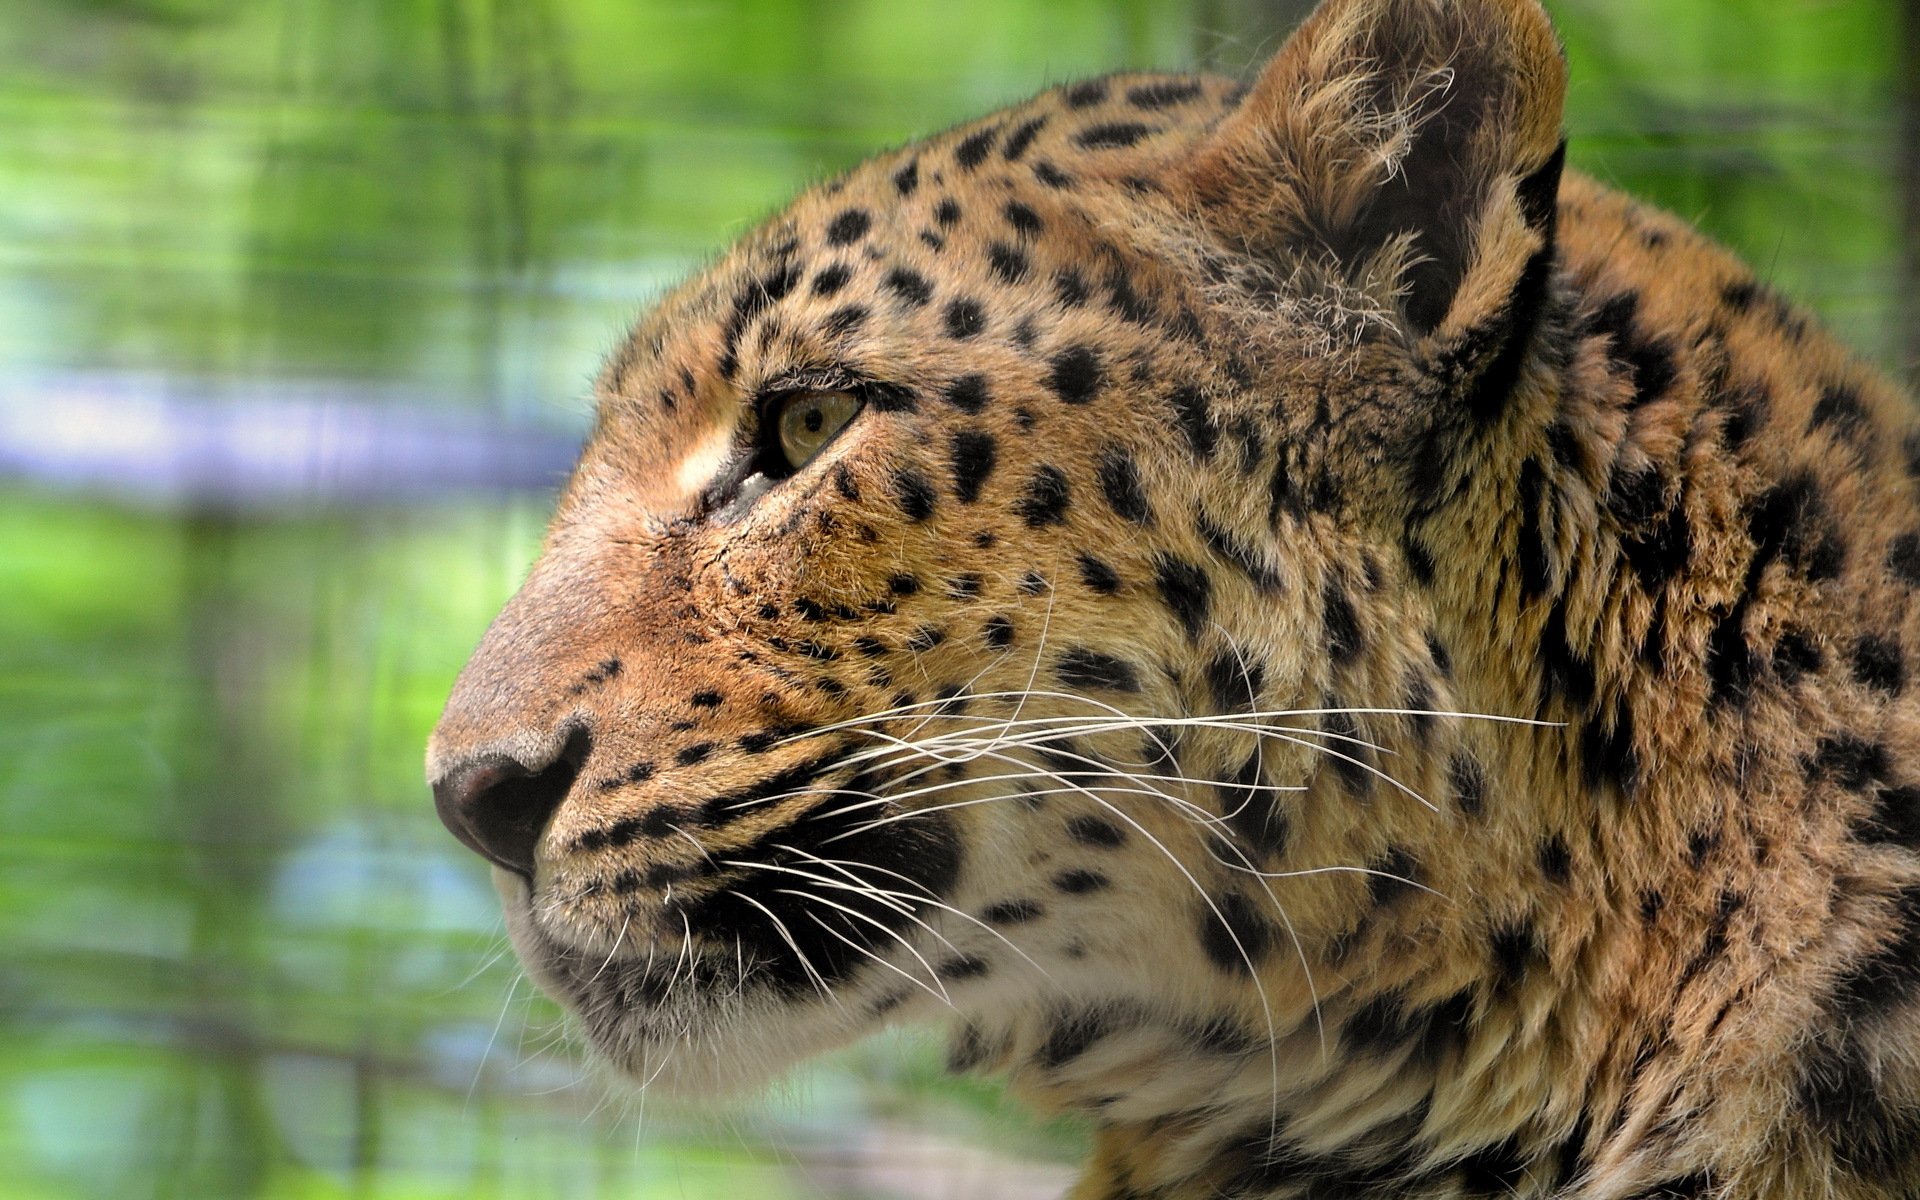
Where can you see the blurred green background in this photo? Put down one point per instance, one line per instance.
(298, 304)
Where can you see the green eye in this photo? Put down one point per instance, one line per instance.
(808, 420)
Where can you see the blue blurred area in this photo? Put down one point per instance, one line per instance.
(299, 302)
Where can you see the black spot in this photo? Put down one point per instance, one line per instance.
(968, 393)
(1186, 590)
(1890, 976)
(1051, 175)
(1096, 831)
(1657, 539)
(907, 178)
(1839, 408)
(903, 584)
(1849, 761)
(1649, 361)
(965, 319)
(1111, 135)
(1350, 758)
(1796, 654)
(1877, 662)
(705, 699)
(1009, 264)
(1606, 751)
(1556, 861)
(1086, 94)
(1032, 583)
(1697, 1186)
(1046, 498)
(1012, 912)
(762, 740)
(1076, 375)
(1163, 93)
(1740, 294)
(1386, 1025)
(832, 279)
(887, 397)
(1745, 418)
(1081, 667)
(849, 227)
(1391, 876)
(1098, 576)
(687, 756)
(1236, 551)
(1070, 287)
(1652, 903)
(1073, 1036)
(1872, 1134)
(1563, 671)
(947, 213)
(1021, 138)
(845, 319)
(1895, 818)
(1468, 782)
(1497, 1170)
(1079, 883)
(1190, 408)
(1516, 953)
(925, 638)
(1235, 682)
(1791, 522)
(998, 631)
(911, 286)
(1535, 566)
(1344, 639)
(1120, 483)
(1903, 558)
(972, 455)
(1024, 220)
(1233, 935)
(915, 494)
(1253, 813)
(965, 966)
(974, 148)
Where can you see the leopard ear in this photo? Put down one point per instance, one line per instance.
(1415, 140)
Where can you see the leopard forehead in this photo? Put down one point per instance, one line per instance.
(1011, 256)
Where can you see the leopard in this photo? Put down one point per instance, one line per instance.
(1295, 629)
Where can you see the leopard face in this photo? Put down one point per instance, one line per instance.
(1296, 628)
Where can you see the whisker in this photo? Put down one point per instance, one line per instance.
(882, 927)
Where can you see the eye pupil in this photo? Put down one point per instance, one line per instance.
(807, 421)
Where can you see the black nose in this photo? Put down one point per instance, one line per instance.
(498, 805)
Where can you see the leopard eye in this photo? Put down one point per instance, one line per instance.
(807, 421)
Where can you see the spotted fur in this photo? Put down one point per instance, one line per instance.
(1363, 663)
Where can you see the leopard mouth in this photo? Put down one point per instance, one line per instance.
(772, 946)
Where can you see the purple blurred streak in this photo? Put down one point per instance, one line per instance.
(162, 441)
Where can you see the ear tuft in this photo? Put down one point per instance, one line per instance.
(1382, 133)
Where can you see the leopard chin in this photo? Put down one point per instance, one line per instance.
(691, 1025)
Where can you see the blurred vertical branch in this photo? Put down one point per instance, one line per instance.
(1235, 36)
(1909, 68)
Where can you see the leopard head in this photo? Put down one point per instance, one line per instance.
(987, 594)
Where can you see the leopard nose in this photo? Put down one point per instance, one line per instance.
(499, 804)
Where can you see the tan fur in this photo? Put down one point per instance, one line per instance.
(1330, 399)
